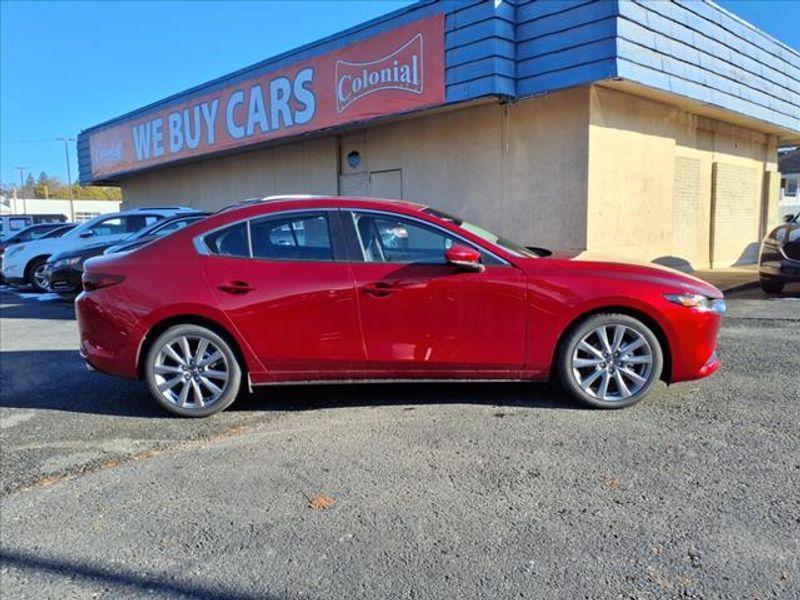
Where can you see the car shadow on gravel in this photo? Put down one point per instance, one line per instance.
(116, 579)
(58, 380)
(317, 397)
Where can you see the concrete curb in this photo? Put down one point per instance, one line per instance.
(740, 287)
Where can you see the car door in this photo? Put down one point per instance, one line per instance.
(288, 289)
(421, 316)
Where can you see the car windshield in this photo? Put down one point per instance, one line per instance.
(58, 232)
(507, 245)
(162, 228)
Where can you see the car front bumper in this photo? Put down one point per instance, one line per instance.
(65, 280)
(12, 269)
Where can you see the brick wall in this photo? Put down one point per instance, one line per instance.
(734, 214)
(686, 210)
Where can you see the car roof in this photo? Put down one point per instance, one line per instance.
(317, 200)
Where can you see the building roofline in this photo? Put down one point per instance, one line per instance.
(749, 25)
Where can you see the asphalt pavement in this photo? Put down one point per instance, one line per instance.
(404, 491)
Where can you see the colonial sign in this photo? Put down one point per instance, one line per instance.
(392, 72)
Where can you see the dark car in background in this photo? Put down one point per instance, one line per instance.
(64, 270)
(779, 261)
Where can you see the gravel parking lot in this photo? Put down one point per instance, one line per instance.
(415, 491)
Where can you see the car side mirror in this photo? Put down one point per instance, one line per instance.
(464, 257)
(87, 234)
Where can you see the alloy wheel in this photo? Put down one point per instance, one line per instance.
(612, 362)
(40, 278)
(191, 371)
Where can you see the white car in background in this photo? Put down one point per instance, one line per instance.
(25, 263)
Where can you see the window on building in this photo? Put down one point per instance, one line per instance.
(295, 237)
(81, 216)
(230, 241)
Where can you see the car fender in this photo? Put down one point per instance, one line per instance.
(552, 314)
(186, 311)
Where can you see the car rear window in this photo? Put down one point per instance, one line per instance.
(230, 241)
(295, 237)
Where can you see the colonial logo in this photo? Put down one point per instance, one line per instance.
(401, 70)
(108, 152)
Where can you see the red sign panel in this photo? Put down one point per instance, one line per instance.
(392, 72)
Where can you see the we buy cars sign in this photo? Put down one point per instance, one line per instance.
(391, 72)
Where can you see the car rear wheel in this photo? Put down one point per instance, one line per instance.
(37, 276)
(192, 371)
(771, 286)
(610, 361)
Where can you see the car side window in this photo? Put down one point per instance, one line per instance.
(292, 237)
(113, 226)
(122, 225)
(229, 241)
(385, 238)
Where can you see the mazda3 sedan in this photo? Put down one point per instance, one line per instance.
(334, 289)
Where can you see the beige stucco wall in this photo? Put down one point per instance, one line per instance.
(518, 169)
(590, 167)
(304, 167)
(652, 180)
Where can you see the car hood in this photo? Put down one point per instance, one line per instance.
(597, 264)
(91, 250)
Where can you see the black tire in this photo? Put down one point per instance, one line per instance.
(33, 266)
(771, 286)
(172, 336)
(567, 350)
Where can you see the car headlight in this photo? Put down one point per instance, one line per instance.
(699, 302)
(68, 262)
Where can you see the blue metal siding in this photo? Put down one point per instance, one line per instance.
(563, 44)
(698, 50)
(480, 50)
(519, 48)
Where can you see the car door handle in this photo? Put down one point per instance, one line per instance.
(379, 290)
(236, 287)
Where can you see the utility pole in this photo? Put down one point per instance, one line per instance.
(66, 141)
(22, 187)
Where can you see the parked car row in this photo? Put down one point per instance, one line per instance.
(316, 288)
(64, 270)
(30, 258)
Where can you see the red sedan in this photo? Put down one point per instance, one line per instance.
(313, 289)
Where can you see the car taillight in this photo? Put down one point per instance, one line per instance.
(95, 281)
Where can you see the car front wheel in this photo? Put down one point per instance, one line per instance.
(192, 371)
(37, 276)
(610, 361)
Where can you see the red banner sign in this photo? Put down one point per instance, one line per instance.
(392, 72)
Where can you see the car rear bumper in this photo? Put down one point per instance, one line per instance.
(109, 341)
